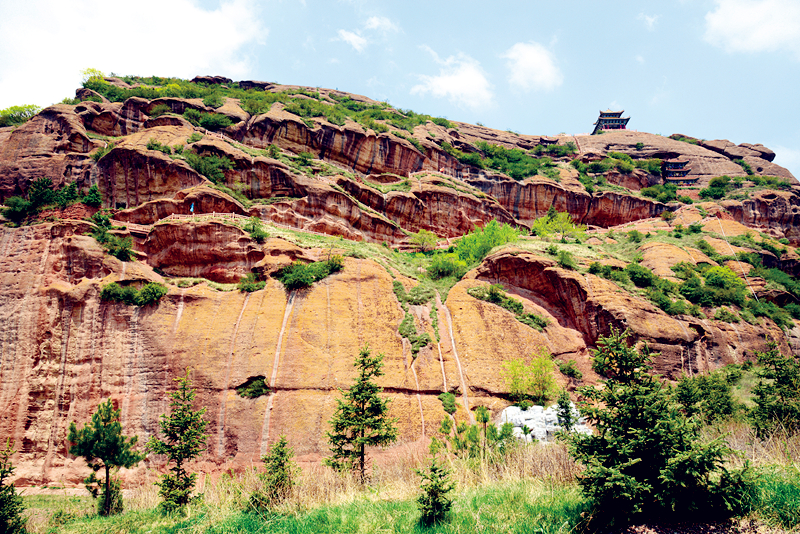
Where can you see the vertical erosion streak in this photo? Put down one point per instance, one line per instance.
(464, 396)
(223, 392)
(66, 322)
(179, 313)
(129, 367)
(274, 376)
(419, 398)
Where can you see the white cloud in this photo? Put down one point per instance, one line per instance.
(353, 39)
(381, 23)
(46, 43)
(639, 58)
(649, 21)
(532, 66)
(461, 80)
(755, 26)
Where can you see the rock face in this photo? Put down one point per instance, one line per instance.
(775, 210)
(53, 144)
(212, 250)
(63, 349)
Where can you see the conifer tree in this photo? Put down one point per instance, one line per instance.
(184, 431)
(646, 458)
(11, 507)
(777, 400)
(103, 446)
(361, 419)
(434, 504)
(279, 478)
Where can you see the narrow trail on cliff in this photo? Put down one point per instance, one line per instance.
(223, 393)
(274, 376)
(463, 384)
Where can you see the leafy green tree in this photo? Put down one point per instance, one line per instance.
(101, 443)
(279, 478)
(93, 197)
(530, 381)
(361, 419)
(17, 209)
(646, 459)
(40, 192)
(16, 115)
(778, 399)
(11, 505)
(425, 240)
(558, 223)
(435, 503)
(184, 431)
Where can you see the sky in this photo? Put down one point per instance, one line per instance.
(711, 69)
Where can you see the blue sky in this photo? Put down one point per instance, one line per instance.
(711, 69)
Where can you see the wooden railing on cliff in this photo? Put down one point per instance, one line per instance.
(145, 229)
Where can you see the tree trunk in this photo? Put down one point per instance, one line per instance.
(106, 496)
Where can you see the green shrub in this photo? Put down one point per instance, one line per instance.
(256, 230)
(496, 295)
(153, 144)
(93, 197)
(661, 193)
(214, 100)
(150, 293)
(254, 387)
(777, 395)
(102, 151)
(17, 209)
(250, 283)
(566, 260)
(16, 115)
(12, 520)
(159, 110)
(762, 308)
(569, 369)
(119, 247)
(448, 401)
(445, 265)
(646, 460)
(212, 167)
(299, 275)
(635, 236)
(725, 315)
(195, 137)
(640, 276)
(215, 121)
(746, 166)
(477, 244)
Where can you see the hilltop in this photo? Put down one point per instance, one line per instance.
(182, 168)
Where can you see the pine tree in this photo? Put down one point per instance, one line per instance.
(434, 503)
(103, 446)
(184, 431)
(11, 507)
(361, 419)
(646, 458)
(279, 478)
(778, 400)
